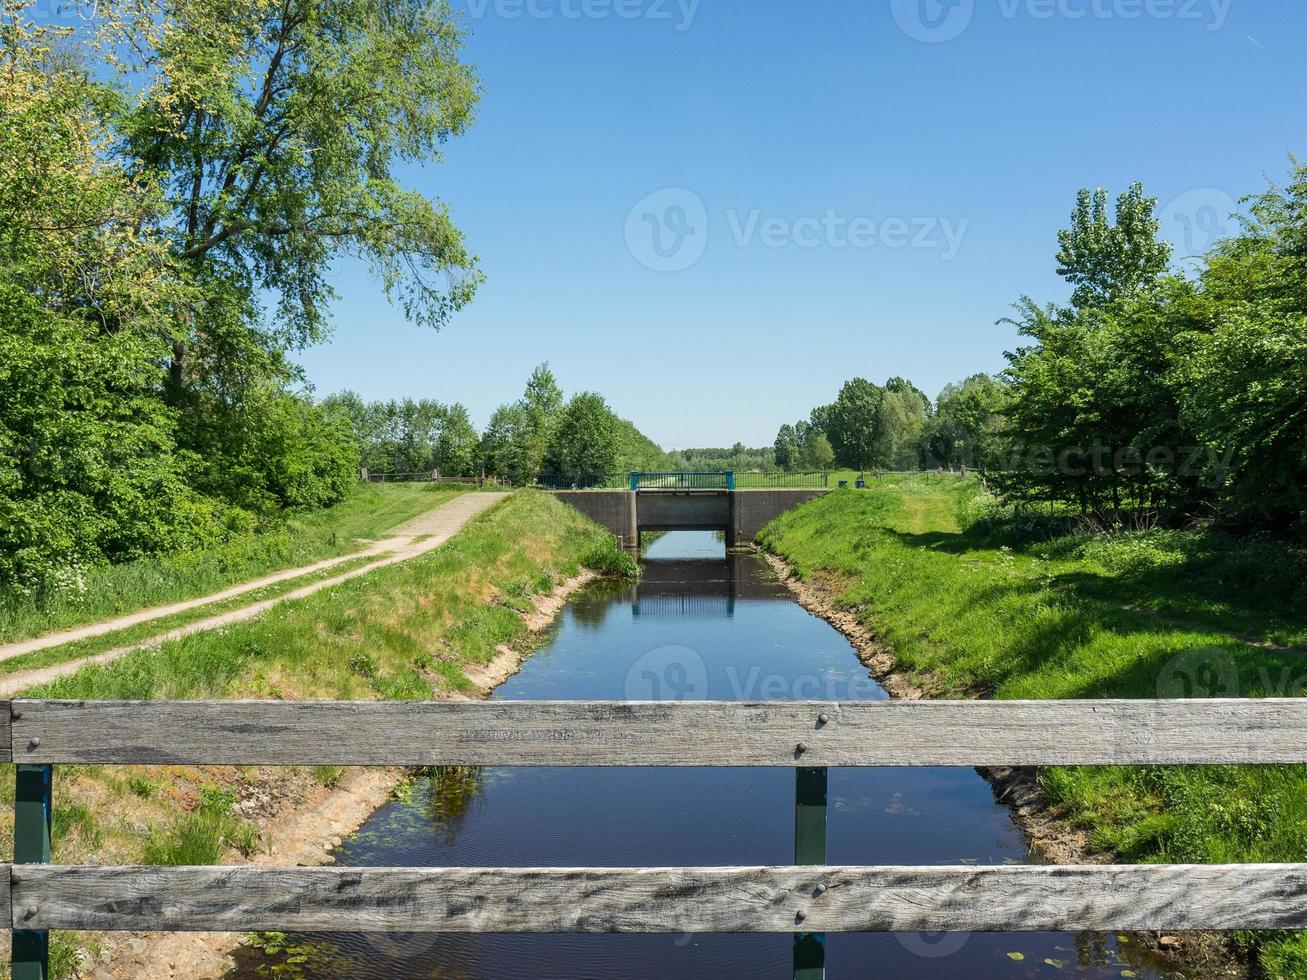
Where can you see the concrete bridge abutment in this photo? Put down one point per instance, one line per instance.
(740, 513)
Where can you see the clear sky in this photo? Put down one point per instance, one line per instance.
(716, 211)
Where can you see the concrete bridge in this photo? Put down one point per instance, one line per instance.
(684, 502)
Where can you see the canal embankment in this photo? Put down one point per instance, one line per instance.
(943, 599)
(448, 624)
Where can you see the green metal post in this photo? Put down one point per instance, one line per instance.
(32, 794)
(810, 848)
(730, 479)
(635, 482)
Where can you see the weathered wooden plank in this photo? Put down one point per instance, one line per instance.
(6, 732)
(782, 899)
(577, 733)
(4, 886)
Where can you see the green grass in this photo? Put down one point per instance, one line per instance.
(971, 608)
(403, 631)
(144, 632)
(407, 631)
(299, 539)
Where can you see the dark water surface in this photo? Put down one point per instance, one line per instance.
(700, 625)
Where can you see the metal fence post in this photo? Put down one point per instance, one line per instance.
(810, 848)
(32, 794)
(635, 482)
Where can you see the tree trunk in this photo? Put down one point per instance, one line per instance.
(175, 371)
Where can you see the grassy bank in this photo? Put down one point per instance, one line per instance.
(975, 605)
(409, 631)
(286, 542)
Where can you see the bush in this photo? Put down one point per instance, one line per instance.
(610, 559)
(89, 470)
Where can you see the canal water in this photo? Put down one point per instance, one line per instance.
(701, 624)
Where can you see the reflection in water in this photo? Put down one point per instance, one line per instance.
(453, 790)
(736, 634)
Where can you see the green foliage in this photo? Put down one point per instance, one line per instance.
(1108, 261)
(1084, 616)
(1162, 398)
(968, 423)
(819, 454)
(608, 558)
(868, 426)
(786, 447)
(245, 148)
(857, 423)
(274, 131)
(588, 439)
(738, 457)
(274, 451)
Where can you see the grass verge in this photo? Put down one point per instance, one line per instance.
(142, 633)
(971, 608)
(298, 539)
(407, 631)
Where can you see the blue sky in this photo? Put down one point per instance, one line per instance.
(838, 188)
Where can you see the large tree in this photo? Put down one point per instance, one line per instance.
(274, 128)
(542, 402)
(855, 423)
(1107, 260)
(588, 439)
(456, 450)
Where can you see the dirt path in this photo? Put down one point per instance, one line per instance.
(415, 537)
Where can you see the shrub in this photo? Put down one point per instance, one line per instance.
(607, 558)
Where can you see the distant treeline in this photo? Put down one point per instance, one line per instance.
(1154, 395)
(738, 458)
(541, 432)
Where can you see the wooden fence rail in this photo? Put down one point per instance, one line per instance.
(1009, 898)
(807, 899)
(672, 733)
